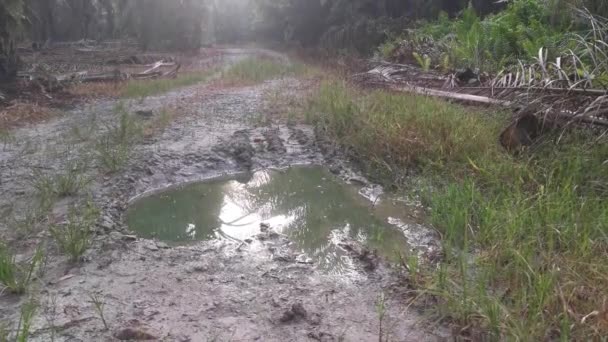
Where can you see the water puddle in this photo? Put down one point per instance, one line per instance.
(311, 206)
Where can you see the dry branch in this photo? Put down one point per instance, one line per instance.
(450, 95)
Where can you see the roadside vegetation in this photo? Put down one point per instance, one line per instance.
(524, 237)
(543, 41)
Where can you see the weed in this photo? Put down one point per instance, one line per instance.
(29, 224)
(381, 311)
(50, 315)
(28, 310)
(44, 186)
(6, 138)
(74, 237)
(143, 89)
(112, 157)
(389, 133)
(424, 61)
(15, 277)
(4, 332)
(99, 305)
(69, 181)
(114, 148)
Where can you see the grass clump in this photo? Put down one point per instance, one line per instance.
(74, 237)
(114, 148)
(16, 277)
(68, 182)
(524, 238)
(388, 134)
(28, 310)
(258, 69)
(145, 88)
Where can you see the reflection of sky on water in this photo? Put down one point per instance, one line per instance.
(306, 204)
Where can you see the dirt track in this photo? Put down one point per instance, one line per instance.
(211, 291)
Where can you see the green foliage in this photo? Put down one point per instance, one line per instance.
(416, 132)
(74, 237)
(520, 234)
(15, 277)
(491, 43)
(423, 61)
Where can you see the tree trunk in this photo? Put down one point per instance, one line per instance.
(8, 60)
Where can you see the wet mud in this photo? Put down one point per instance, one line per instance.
(217, 290)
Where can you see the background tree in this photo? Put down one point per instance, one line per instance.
(11, 19)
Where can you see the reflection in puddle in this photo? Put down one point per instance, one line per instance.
(308, 204)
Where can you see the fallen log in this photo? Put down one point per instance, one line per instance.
(450, 95)
(582, 91)
(581, 118)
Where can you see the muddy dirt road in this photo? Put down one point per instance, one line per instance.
(209, 291)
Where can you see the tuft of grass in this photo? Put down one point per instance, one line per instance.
(68, 182)
(258, 69)
(142, 89)
(6, 138)
(111, 156)
(114, 148)
(30, 222)
(16, 277)
(28, 310)
(524, 238)
(4, 332)
(391, 134)
(99, 305)
(74, 237)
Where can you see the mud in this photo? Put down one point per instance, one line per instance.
(210, 291)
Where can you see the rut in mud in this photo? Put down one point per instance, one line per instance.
(220, 289)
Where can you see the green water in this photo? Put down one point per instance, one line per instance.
(308, 204)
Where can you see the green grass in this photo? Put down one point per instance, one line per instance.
(525, 238)
(16, 277)
(69, 181)
(113, 149)
(259, 69)
(4, 332)
(145, 88)
(74, 237)
(28, 310)
(389, 134)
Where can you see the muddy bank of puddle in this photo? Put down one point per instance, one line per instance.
(313, 208)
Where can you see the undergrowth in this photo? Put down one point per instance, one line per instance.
(493, 42)
(524, 237)
(15, 277)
